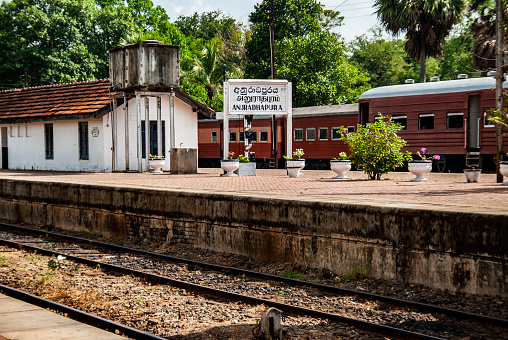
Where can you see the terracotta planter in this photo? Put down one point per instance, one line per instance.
(419, 168)
(472, 175)
(229, 165)
(156, 164)
(340, 167)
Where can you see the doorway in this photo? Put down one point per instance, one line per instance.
(5, 153)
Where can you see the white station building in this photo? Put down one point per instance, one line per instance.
(100, 125)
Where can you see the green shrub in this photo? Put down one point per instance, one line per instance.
(376, 146)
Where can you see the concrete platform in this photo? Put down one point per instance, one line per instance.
(444, 233)
(22, 321)
(442, 191)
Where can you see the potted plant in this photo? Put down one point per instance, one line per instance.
(156, 163)
(295, 161)
(472, 174)
(503, 168)
(340, 165)
(421, 167)
(229, 165)
(246, 167)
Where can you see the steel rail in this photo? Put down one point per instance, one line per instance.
(77, 314)
(498, 322)
(285, 308)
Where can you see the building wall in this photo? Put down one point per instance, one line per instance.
(26, 146)
(186, 129)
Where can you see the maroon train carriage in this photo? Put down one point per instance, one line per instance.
(448, 118)
(315, 130)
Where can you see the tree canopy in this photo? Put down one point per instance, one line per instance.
(426, 24)
(316, 65)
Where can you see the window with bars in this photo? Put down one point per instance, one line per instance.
(48, 141)
(83, 141)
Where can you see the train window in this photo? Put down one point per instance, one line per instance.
(336, 133)
(426, 121)
(241, 136)
(454, 120)
(232, 136)
(486, 121)
(350, 129)
(263, 136)
(298, 135)
(323, 133)
(254, 136)
(311, 134)
(214, 136)
(402, 120)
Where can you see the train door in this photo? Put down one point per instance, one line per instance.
(5, 155)
(472, 133)
(364, 113)
(221, 138)
(474, 123)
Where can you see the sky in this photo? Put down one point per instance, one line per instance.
(358, 15)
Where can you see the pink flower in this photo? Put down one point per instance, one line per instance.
(436, 157)
(424, 150)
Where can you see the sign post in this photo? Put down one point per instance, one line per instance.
(257, 97)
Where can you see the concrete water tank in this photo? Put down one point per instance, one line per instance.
(149, 65)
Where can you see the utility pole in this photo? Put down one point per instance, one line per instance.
(272, 40)
(499, 86)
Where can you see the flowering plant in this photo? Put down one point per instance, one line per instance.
(296, 154)
(231, 154)
(424, 157)
(156, 157)
(342, 157)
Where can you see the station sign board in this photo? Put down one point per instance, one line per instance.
(247, 97)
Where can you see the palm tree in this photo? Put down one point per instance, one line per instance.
(208, 68)
(425, 22)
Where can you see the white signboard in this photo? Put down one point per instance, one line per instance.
(257, 98)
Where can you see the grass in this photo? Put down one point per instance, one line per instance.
(356, 273)
(293, 275)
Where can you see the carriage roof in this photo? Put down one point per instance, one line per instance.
(445, 86)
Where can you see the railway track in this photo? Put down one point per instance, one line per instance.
(147, 265)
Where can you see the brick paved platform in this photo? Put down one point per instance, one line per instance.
(440, 192)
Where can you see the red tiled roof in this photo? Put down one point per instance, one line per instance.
(87, 98)
(69, 101)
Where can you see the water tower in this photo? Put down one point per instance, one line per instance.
(146, 69)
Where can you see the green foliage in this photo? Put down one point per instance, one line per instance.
(3, 259)
(208, 25)
(383, 60)
(291, 18)
(208, 69)
(293, 275)
(376, 147)
(425, 23)
(500, 117)
(243, 159)
(356, 273)
(317, 67)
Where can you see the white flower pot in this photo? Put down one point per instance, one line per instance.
(229, 165)
(419, 168)
(472, 175)
(504, 170)
(340, 167)
(295, 163)
(293, 171)
(156, 164)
